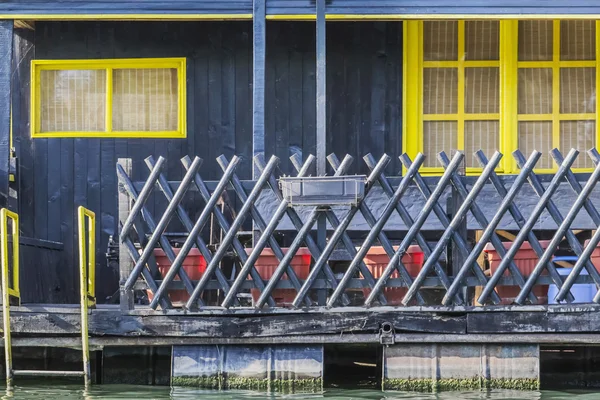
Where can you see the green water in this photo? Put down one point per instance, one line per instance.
(68, 392)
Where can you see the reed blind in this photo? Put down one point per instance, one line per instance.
(557, 88)
(461, 88)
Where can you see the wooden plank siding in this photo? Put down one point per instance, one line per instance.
(364, 100)
(106, 9)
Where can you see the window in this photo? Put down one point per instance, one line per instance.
(500, 85)
(557, 88)
(109, 98)
(460, 89)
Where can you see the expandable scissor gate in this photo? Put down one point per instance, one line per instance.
(10, 288)
(150, 231)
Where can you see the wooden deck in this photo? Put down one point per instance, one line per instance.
(59, 325)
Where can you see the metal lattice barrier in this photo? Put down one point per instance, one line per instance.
(141, 232)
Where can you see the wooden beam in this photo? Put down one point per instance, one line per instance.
(259, 45)
(125, 262)
(6, 53)
(321, 39)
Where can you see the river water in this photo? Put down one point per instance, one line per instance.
(68, 392)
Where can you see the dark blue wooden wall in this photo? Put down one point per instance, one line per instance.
(274, 7)
(364, 109)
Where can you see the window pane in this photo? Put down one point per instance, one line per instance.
(535, 40)
(577, 40)
(73, 100)
(440, 91)
(580, 135)
(577, 90)
(145, 100)
(480, 135)
(536, 136)
(438, 136)
(535, 91)
(482, 90)
(482, 40)
(440, 40)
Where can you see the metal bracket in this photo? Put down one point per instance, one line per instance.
(387, 334)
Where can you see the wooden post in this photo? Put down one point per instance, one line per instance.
(258, 81)
(321, 122)
(125, 262)
(6, 53)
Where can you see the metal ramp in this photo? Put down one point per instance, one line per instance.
(10, 288)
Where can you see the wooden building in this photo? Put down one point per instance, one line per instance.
(90, 84)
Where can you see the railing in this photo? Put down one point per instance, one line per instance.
(87, 280)
(10, 280)
(10, 288)
(389, 213)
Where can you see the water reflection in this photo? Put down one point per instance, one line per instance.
(69, 392)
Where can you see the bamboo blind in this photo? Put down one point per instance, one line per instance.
(479, 94)
(143, 100)
(576, 94)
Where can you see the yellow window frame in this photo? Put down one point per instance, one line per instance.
(413, 117)
(556, 116)
(108, 65)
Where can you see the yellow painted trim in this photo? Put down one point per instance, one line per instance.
(465, 116)
(558, 117)
(508, 93)
(597, 83)
(412, 76)
(127, 17)
(108, 65)
(466, 63)
(7, 290)
(562, 64)
(555, 84)
(87, 280)
(409, 17)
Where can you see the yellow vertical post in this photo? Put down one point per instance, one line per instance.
(7, 290)
(460, 129)
(556, 84)
(597, 111)
(87, 262)
(412, 77)
(509, 125)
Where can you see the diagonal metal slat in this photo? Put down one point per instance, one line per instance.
(231, 236)
(408, 221)
(266, 236)
(340, 170)
(544, 201)
(375, 232)
(187, 223)
(460, 242)
(516, 213)
(432, 200)
(560, 233)
(507, 204)
(341, 227)
(156, 233)
(483, 222)
(594, 215)
(143, 195)
(468, 204)
(133, 253)
(300, 226)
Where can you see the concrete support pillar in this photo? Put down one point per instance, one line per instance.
(292, 368)
(437, 367)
